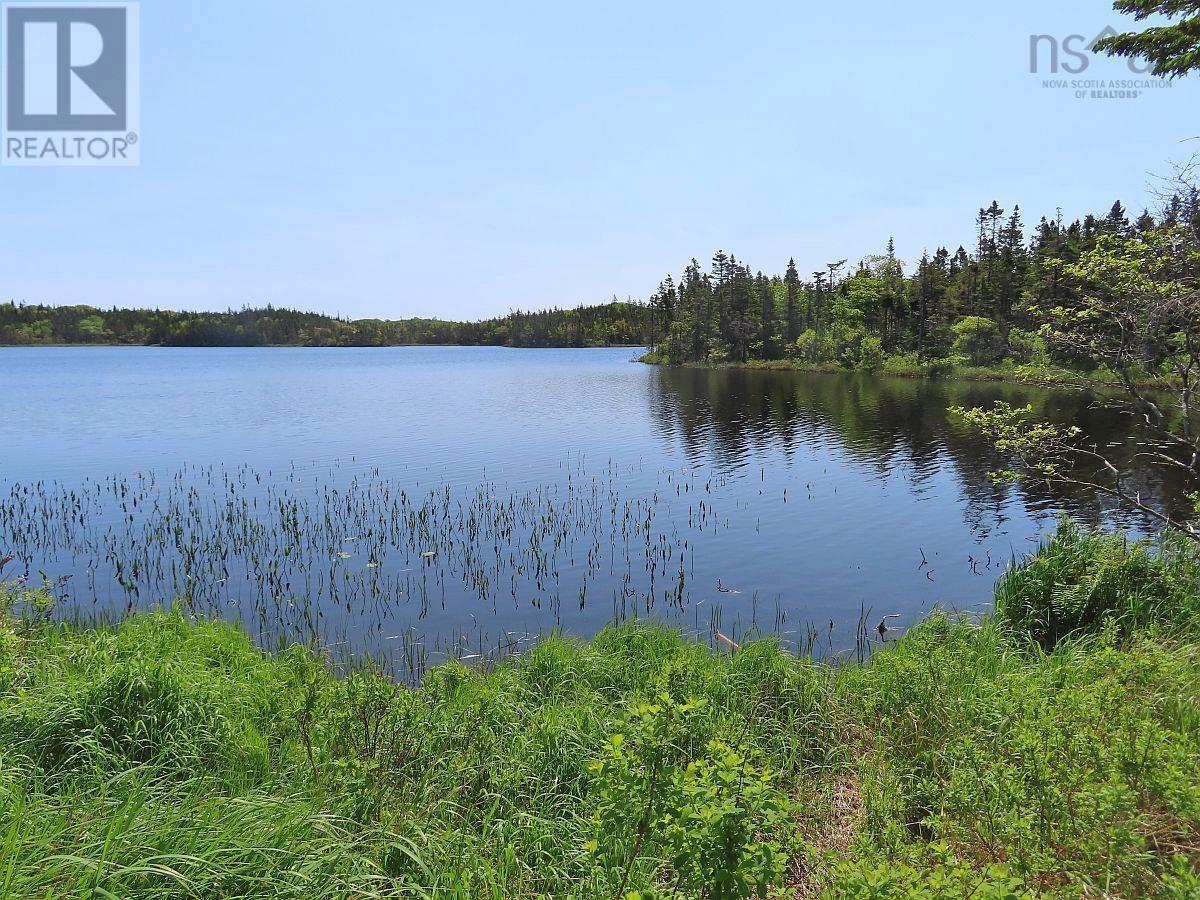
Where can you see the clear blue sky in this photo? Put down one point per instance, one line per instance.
(400, 157)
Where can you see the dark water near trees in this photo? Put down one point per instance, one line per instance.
(419, 503)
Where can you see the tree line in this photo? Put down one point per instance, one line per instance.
(964, 306)
(615, 323)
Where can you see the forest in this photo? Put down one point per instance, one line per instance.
(615, 323)
(953, 309)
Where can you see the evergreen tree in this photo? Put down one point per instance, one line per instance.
(1172, 49)
(791, 280)
(1116, 222)
(766, 328)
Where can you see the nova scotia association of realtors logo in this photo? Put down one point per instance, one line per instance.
(70, 84)
(1069, 58)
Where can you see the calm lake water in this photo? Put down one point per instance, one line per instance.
(425, 502)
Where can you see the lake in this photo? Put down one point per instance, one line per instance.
(418, 503)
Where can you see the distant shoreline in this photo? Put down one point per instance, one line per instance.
(617, 323)
(1032, 376)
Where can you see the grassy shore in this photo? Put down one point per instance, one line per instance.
(1052, 749)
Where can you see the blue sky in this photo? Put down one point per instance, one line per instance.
(393, 158)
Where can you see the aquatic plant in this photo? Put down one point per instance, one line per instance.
(357, 561)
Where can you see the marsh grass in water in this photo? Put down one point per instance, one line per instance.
(168, 756)
(348, 561)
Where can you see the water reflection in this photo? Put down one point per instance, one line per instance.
(879, 425)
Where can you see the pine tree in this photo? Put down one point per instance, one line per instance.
(738, 330)
(1172, 49)
(766, 328)
(1012, 266)
(1116, 222)
(792, 282)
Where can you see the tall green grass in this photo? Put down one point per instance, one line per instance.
(1083, 581)
(1053, 750)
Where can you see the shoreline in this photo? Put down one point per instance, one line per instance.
(1035, 376)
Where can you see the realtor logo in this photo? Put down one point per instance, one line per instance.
(70, 83)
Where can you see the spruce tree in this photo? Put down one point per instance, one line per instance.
(791, 281)
(766, 326)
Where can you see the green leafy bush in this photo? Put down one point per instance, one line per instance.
(715, 819)
(977, 337)
(870, 353)
(941, 877)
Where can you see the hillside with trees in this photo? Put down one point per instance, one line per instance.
(615, 323)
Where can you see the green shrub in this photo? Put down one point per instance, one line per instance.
(913, 364)
(870, 353)
(977, 337)
(940, 878)
(716, 819)
(1183, 881)
(1057, 764)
